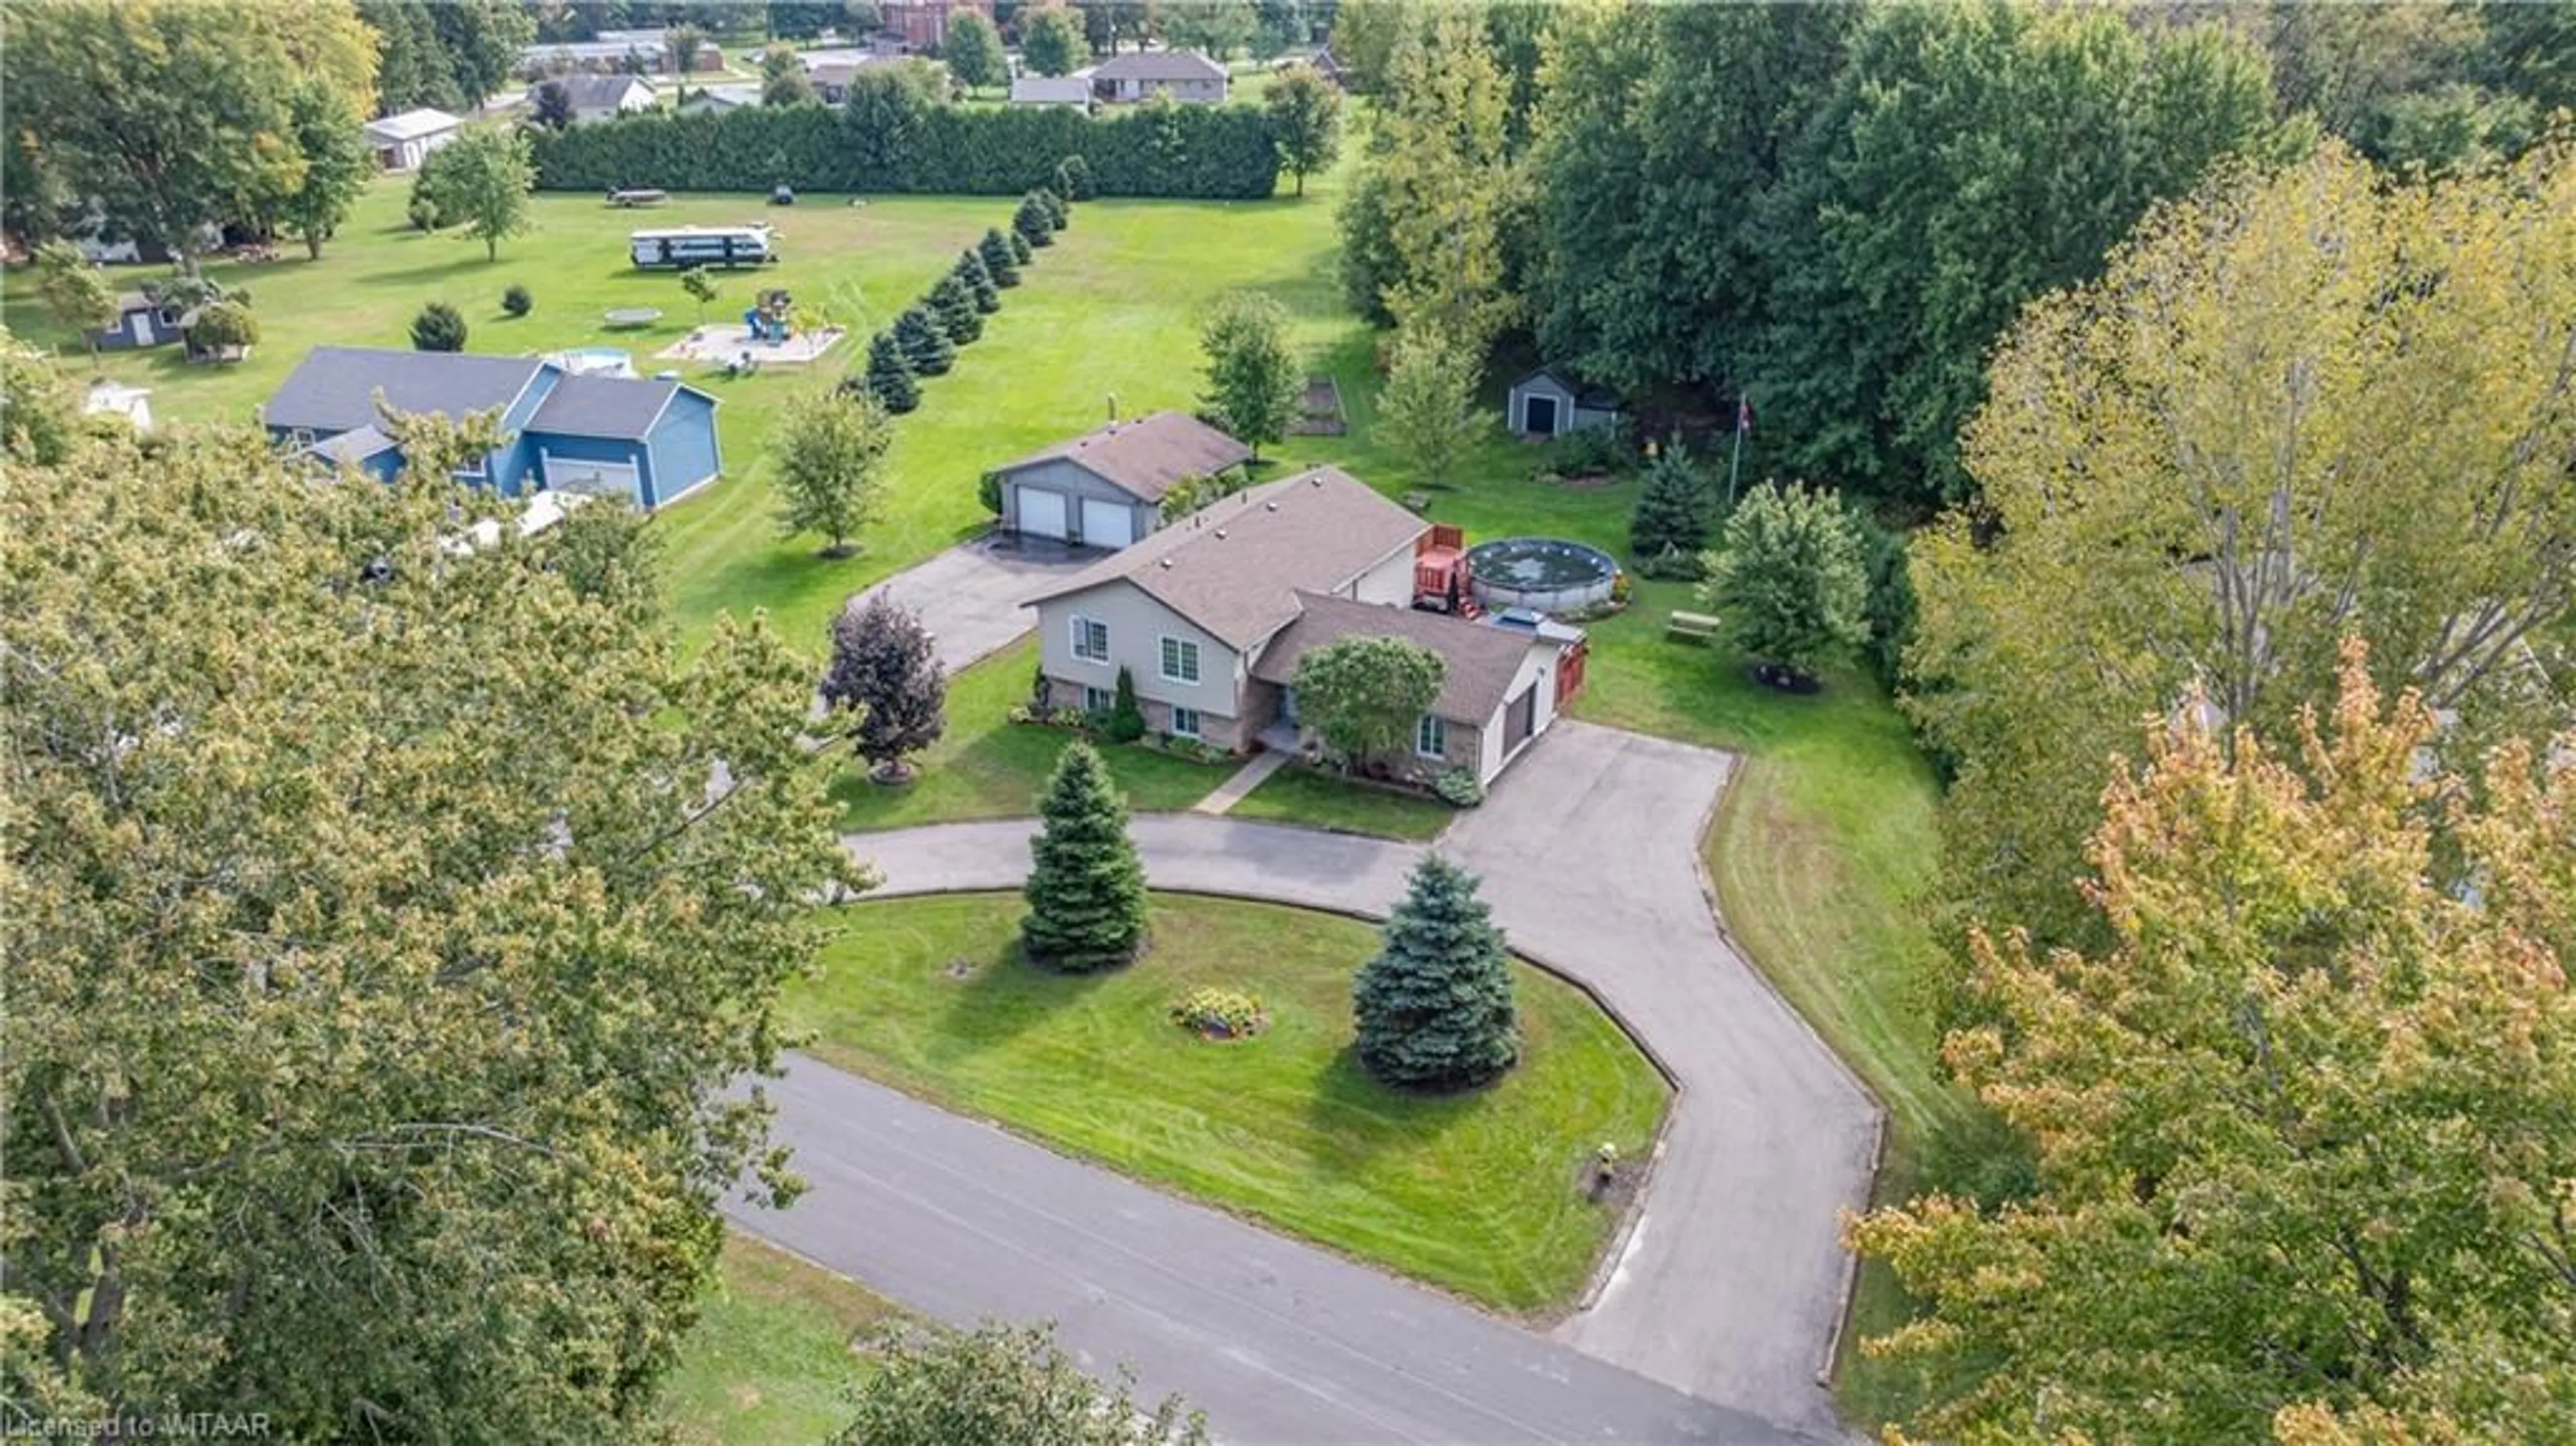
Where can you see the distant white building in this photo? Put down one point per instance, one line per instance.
(1070, 90)
(115, 399)
(402, 142)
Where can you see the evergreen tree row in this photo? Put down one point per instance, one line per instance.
(923, 341)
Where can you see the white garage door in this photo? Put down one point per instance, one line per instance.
(599, 479)
(1107, 524)
(1041, 512)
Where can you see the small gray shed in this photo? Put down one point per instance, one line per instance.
(1550, 403)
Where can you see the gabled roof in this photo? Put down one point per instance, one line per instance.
(355, 446)
(1587, 396)
(598, 92)
(1236, 568)
(411, 125)
(1158, 65)
(332, 389)
(1051, 89)
(723, 97)
(620, 408)
(1144, 457)
(1481, 661)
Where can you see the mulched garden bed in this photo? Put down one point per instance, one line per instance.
(1319, 412)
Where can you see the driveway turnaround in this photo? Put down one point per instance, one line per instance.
(1276, 1340)
(1729, 1289)
(969, 596)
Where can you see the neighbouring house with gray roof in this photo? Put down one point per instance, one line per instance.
(1210, 616)
(1105, 488)
(1551, 402)
(648, 441)
(590, 98)
(1041, 90)
(1184, 75)
(720, 98)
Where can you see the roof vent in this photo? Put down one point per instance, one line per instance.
(1220, 534)
(1315, 481)
(1269, 506)
(1167, 562)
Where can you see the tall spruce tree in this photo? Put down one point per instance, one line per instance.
(1435, 1006)
(926, 348)
(1021, 251)
(884, 668)
(1001, 263)
(1670, 525)
(1086, 892)
(979, 281)
(890, 376)
(953, 307)
(1059, 215)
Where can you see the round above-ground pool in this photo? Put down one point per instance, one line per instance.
(1543, 574)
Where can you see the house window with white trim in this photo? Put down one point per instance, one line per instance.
(1180, 660)
(1090, 640)
(1185, 723)
(1431, 737)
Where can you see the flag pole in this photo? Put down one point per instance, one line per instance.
(1735, 463)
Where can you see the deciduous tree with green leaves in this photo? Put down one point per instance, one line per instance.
(783, 80)
(337, 163)
(76, 292)
(1440, 155)
(1969, 158)
(2302, 1119)
(1426, 409)
(1791, 581)
(973, 51)
(1253, 379)
(1306, 114)
(700, 286)
(829, 452)
(1214, 28)
(1086, 887)
(1000, 1383)
(1434, 1008)
(1365, 696)
(1051, 41)
(2301, 405)
(685, 43)
(482, 179)
(279, 1147)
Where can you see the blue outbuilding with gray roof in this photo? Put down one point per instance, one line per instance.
(649, 441)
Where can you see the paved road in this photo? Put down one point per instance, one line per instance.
(1278, 1341)
(1731, 1285)
(969, 596)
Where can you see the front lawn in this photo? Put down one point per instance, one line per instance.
(988, 767)
(771, 1351)
(1303, 796)
(1476, 1192)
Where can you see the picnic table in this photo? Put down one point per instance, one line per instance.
(625, 317)
(1694, 627)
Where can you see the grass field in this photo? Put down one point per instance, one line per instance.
(771, 1351)
(986, 767)
(1476, 1192)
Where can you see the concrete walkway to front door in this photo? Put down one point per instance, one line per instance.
(1226, 795)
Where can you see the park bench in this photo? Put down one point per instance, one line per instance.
(1691, 627)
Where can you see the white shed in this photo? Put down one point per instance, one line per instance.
(402, 142)
(1550, 403)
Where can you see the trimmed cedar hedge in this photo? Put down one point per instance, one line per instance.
(1197, 152)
